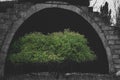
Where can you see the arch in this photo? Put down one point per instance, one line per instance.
(38, 7)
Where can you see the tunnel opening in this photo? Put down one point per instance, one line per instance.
(51, 20)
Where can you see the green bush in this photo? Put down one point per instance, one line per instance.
(55, 47)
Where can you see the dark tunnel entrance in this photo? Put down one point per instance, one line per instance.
(54, 19)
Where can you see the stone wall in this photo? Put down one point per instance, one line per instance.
(12, 18)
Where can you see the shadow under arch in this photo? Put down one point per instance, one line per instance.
(56, 19)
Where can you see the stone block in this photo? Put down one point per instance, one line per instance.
(116, 61)
(2, 21)
(2, 32)
(117, 41)
(109, 32)
(14, 17)
(96, 19)
(117, 51)
(1, 15)
(5, 26)
(106, 28)
(112, 37)
(6, 16)
(117, 73)
(117, 66)
(115, 46)
(111, 42)
(116, 56)
(101, 24)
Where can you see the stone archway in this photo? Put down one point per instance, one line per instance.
(35, 8)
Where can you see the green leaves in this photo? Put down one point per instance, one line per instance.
(55, 47)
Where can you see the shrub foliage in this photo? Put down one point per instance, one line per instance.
(55, 47)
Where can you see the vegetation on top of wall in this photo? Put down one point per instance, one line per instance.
(55, 47)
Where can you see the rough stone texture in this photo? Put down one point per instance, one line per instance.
(11, 20)
(68, 76)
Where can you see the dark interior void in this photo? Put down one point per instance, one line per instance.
(54, 19)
